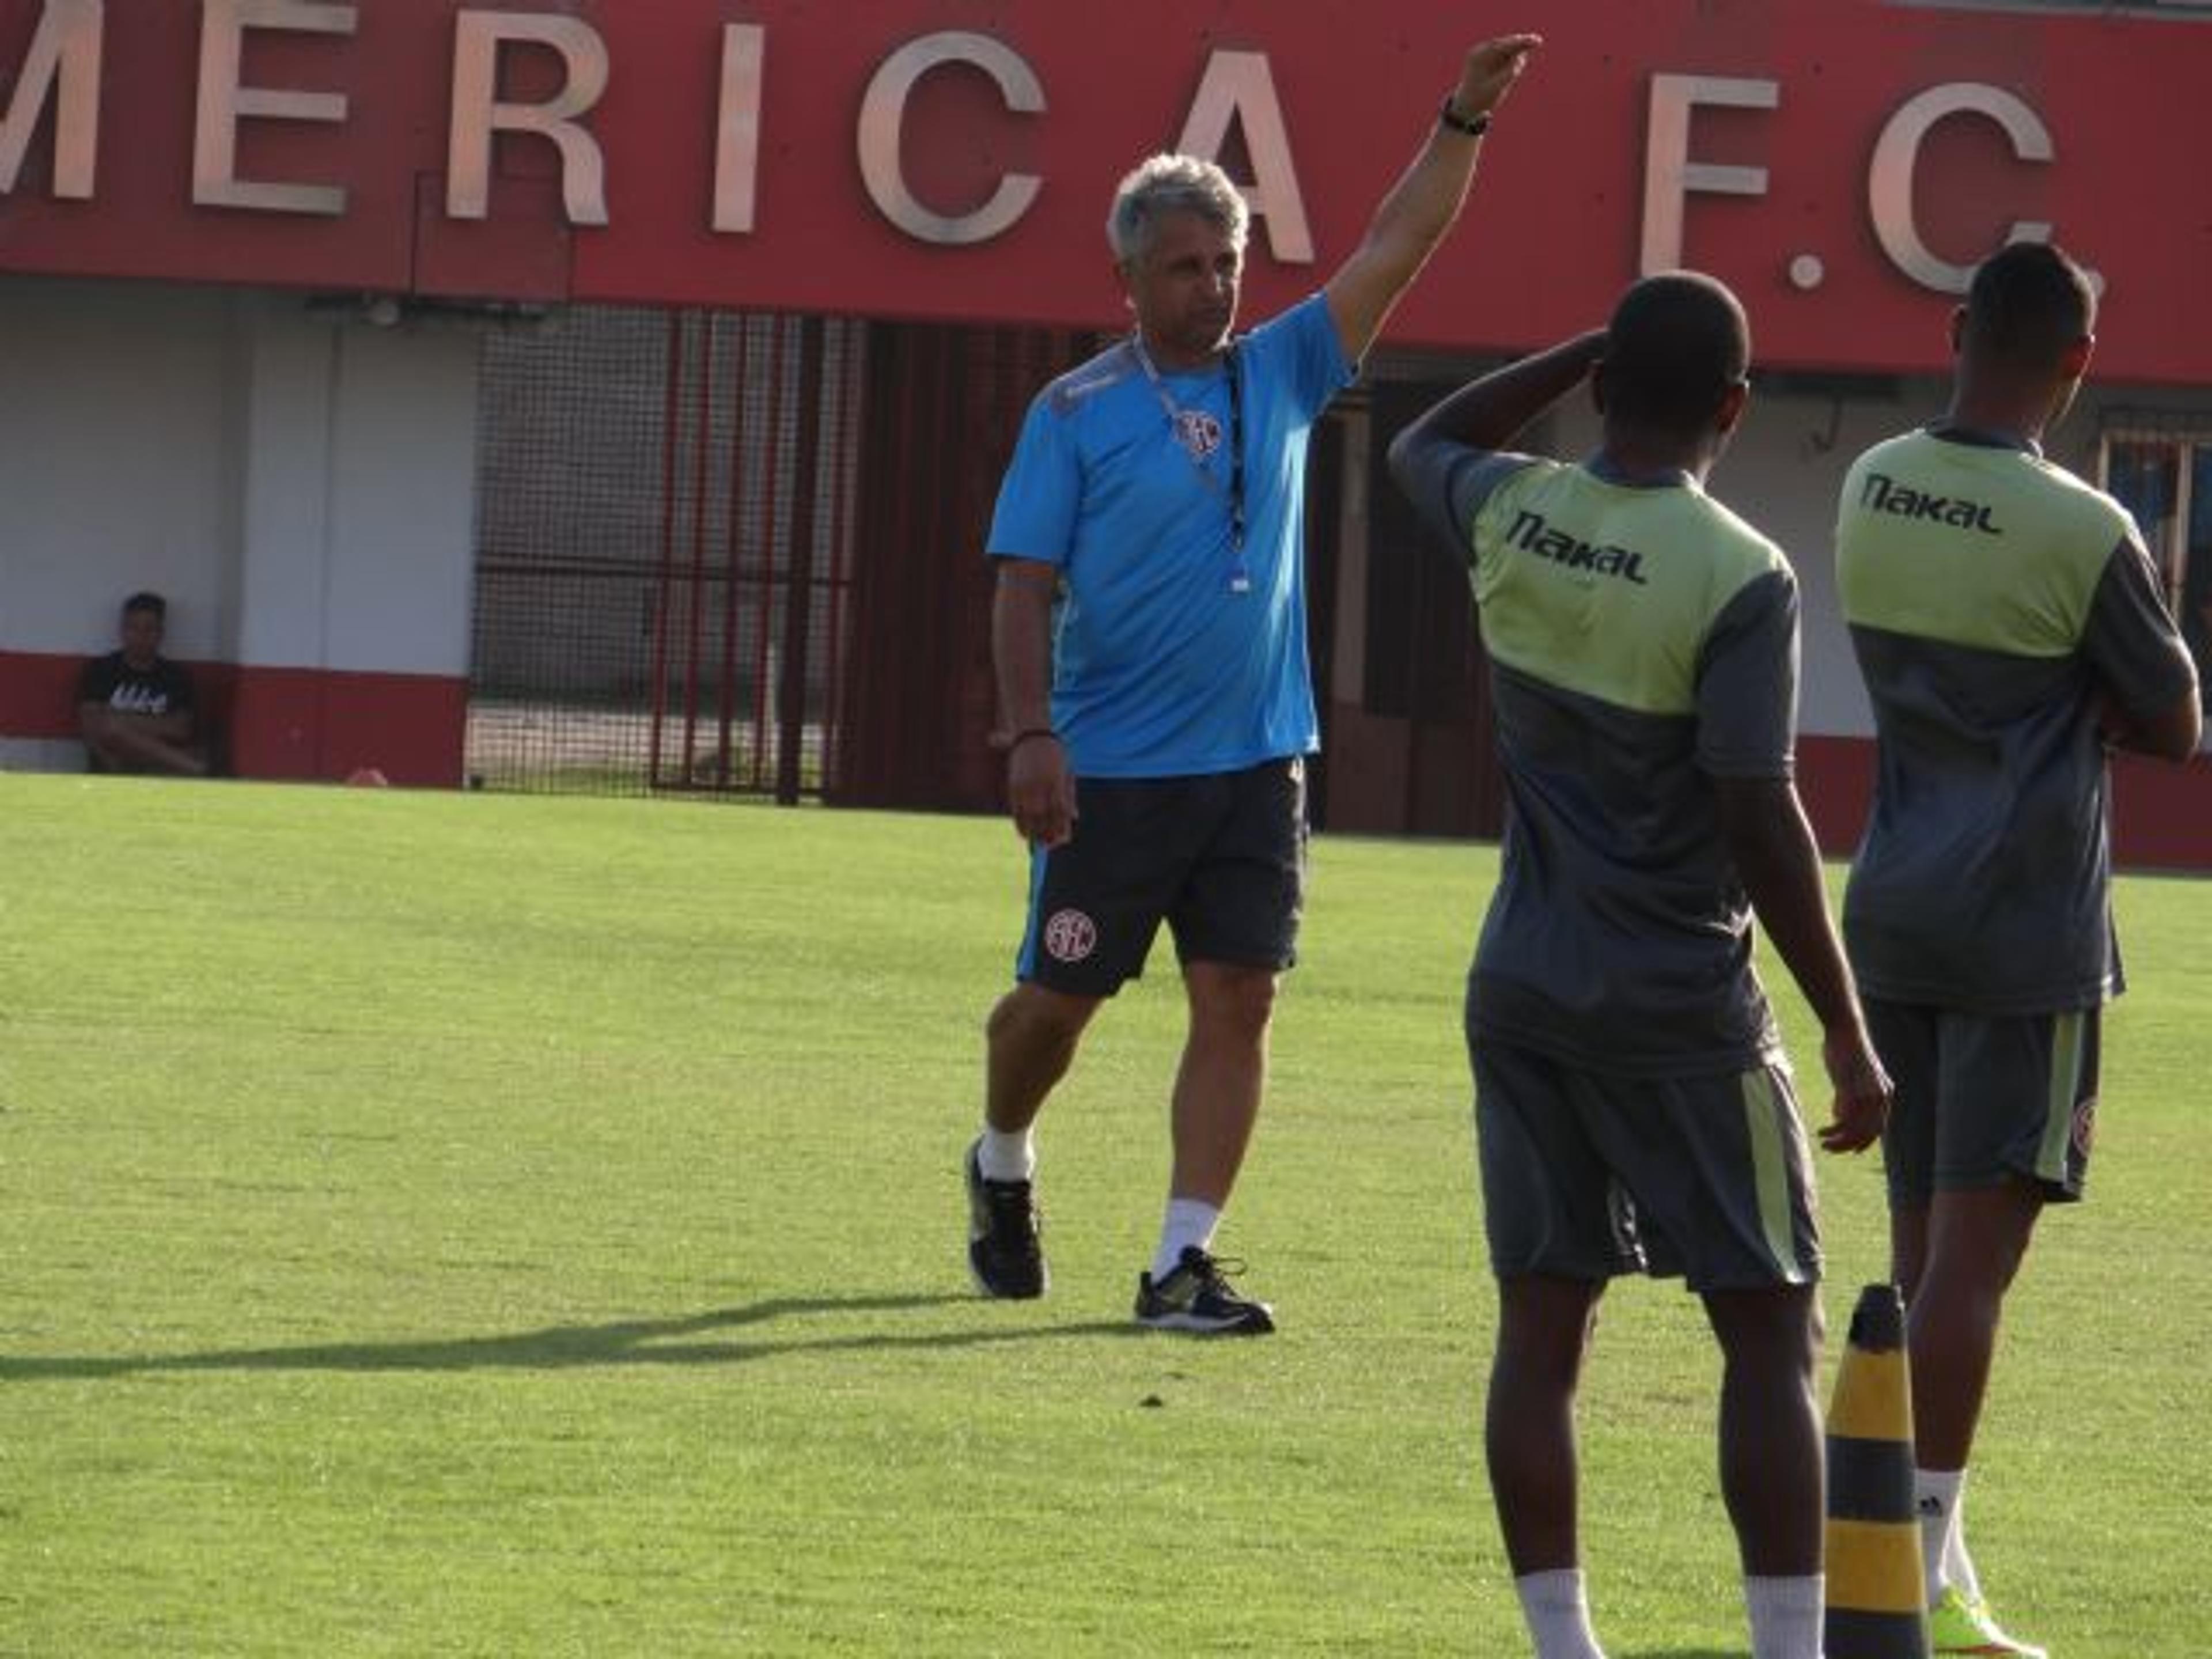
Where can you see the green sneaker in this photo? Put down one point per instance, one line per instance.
(1956, 1625)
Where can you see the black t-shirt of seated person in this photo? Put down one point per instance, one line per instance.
(164, 689)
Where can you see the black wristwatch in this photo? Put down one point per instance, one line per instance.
(1472, 126)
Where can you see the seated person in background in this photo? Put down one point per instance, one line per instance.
(134, 707)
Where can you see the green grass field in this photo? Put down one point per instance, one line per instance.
(440, 1225)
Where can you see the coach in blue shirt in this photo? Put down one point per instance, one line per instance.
(1148, 633)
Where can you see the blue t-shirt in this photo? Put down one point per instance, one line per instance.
(1159, 668)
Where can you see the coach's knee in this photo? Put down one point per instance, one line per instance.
(1231, 998)
(1031, 1016)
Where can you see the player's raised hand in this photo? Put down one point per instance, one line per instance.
(1490, 72)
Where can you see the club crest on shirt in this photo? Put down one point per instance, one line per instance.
(1198, 432)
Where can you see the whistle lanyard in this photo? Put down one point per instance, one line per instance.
(1182, 421)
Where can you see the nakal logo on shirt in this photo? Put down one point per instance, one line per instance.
(1531, 533)
(1880, 493)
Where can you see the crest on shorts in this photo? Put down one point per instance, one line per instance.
(2085, 1125)
(1070, 936)
(1198, 432)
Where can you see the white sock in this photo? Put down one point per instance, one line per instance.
(1188, 1222)
(1787, 1616)
(1003, 1157)
(1937, 1494)
(1957, 1566)
(1557, 1613)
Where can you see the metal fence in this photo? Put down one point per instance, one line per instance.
(665, 552)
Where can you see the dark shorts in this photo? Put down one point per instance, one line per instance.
(1219, 857)
(1981, 1098)
(1587, 1176)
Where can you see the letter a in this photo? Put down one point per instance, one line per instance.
(1239, 86)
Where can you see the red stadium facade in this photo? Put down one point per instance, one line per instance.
(1841, 163)
(916, 157)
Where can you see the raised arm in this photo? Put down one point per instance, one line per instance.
(1422, 205)
(1486, 413)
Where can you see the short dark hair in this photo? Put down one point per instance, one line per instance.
(144, 600)
(2028, 305)
(1677, 342)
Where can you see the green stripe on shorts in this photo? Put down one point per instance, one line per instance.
(2065, 1089)
(1770, 1163)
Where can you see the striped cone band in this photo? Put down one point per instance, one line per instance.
(1877, 1606)
(1874, 1398)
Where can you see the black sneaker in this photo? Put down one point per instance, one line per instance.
(1003, 1250)
(1196, 1298)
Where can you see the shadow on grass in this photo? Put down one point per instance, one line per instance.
(628, 1342)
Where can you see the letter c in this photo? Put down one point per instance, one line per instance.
(1897, 156)
(884, 110)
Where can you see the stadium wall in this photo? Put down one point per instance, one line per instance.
(302, 489)
(245, 368)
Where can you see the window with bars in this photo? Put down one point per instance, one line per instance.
(2160, 467)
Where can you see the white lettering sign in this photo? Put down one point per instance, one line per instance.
(62, 71)
(737, 126)
(1239, 86)
(478, 112)
(883, 117)
(1669, 174)
(65, 54)
(1896, 158)
(223, 103)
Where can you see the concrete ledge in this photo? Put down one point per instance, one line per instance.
(41, 755)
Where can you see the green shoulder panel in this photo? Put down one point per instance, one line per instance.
(1992, 548)
(1606, 589)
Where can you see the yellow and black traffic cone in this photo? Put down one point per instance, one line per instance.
(1877, 1595)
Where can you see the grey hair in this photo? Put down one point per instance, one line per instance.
(1172, 184)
